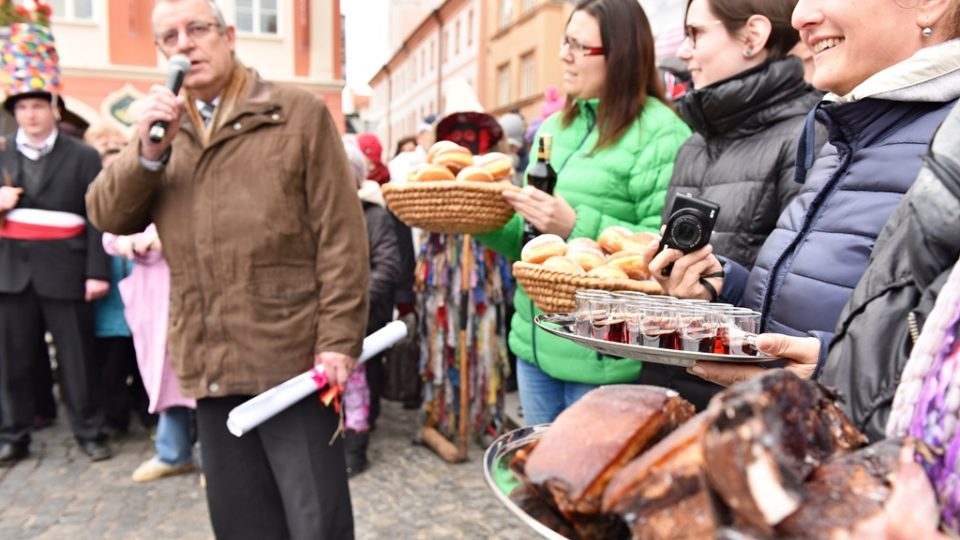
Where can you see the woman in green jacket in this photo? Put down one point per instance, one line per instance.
(614, 145)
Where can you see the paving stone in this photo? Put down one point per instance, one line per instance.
(408, 493)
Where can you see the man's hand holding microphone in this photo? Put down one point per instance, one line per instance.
(159, 115)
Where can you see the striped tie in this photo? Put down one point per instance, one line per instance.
(206, 111)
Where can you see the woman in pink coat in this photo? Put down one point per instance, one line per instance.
(146, 298)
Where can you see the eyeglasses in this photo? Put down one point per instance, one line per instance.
(693, 31)
(578, 48)
(194, 31)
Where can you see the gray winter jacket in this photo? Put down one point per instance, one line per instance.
(743, 152)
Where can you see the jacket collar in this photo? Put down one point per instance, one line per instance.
(259, 99)
(749, 101)
(587, 107)
(25, 147)
(932, 74)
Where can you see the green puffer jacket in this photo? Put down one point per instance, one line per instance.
(623, 184)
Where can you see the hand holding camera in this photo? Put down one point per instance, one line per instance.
(684, 258)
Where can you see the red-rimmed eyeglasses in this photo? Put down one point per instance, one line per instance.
(576, 47)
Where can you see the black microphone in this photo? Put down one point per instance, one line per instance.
(178, 67)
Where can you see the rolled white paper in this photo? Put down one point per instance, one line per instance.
(258, 410)
(382, 339)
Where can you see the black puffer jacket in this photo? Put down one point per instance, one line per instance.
(384, 264)
(911, 261)
(743, 151)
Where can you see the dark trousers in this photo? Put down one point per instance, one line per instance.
(281, 480)
(24, 317)
(690, 387)
(123, 390)
(44, 405)
(373, 368)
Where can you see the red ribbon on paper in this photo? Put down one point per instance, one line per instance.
(331, 394)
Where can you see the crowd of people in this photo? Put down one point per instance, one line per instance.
(228, 261)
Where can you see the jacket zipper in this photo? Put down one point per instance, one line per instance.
(914, 327)
(845, 153)
(590, 125)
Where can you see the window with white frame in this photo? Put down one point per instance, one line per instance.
(456, 39)
(257, 17)
(528, 75)
(503, 85)
(470, 28)
(79, 10)
(506, 12)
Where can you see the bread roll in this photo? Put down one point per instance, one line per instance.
(475, 174)
(588, 259)
(563, 264)
(455, 158)
(638, 241)
(497, 164)
(542, 248)
(631, 262)
(585, 243)
(608, 272)
(430, 173)
(611, 239)
(440, 146)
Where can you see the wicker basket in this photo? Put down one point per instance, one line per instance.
(451, 206)
(553, 292)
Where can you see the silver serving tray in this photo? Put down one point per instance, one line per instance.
(498, 456)
(562, 324)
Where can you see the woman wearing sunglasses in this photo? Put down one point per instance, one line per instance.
(614, 145)
(892, 76)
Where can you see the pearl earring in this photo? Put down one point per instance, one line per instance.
(927, 32)
(748, 53)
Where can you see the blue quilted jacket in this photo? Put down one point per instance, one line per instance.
(811, 262)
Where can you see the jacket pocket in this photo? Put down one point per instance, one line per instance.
(276, 320)
(184, 338)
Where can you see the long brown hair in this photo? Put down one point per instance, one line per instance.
(632, 74)
(735, 13)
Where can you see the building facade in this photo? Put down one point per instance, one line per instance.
(108, 56)
(524, 54)
(439, 54)
(507, 51)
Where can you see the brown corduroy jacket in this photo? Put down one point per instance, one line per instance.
(263, 232)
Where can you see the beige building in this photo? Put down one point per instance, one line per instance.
(440, 53)
(523, 54)
(403, 16)
(505, 50)
(108, 56)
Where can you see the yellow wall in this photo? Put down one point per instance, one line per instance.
(538, 31)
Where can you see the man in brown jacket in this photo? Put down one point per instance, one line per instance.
(256, 207)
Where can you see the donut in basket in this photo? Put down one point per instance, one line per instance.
(454, 192)
(551, 271)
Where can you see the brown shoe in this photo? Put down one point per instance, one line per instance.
(154, 469)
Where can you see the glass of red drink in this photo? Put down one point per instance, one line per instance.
(584, 326)
(658, 325)
(739, 327)
(698, 329)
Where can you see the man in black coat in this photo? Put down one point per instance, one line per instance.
(52, 265)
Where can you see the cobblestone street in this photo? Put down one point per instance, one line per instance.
(408, 493)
